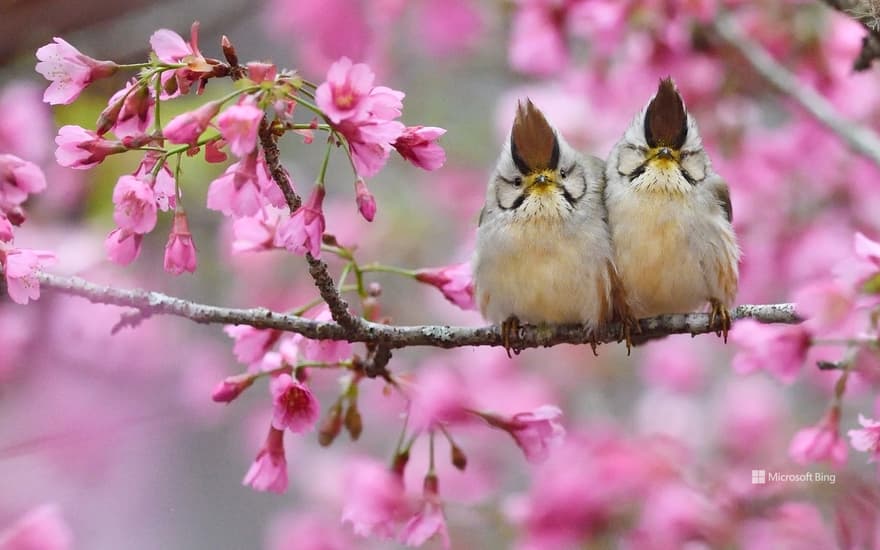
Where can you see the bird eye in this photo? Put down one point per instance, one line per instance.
(517, 181)
(563, 173)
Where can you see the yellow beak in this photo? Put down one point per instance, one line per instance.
(540, 182)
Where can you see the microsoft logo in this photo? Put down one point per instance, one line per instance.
(759, 477)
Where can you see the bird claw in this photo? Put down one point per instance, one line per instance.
(719, 318)
(593, 341)
(510, 327)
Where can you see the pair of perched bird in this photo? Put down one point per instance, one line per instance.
(567, 238)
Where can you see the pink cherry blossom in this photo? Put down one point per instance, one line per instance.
(269, 470)
(42, 528)
(456, 282)
(162, 181)
(231, 387)
(69, 70)
(328, 351)
(18, 179)
(363, 114)
(187, 127)
(366, 203)
(374, 498)
(418, 144)
(171, 48)
(251, 344)
(427, 523)
(180, 252)
(343, 95)
(781, 350)
(303, 230)
(20, 266)
(867, 438)
(243, 188)
(239, 124)
(82, 149)
(255, 233)
(294, 406)
(370, 143)
(537, 432)
(123, 246)
(134, 204)
(821, 442)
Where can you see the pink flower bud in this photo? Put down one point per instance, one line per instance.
(187, 127)
(365, 200)
(455, 282)
(180, 252)
(231, 387)
(79, 148)
(418, 144)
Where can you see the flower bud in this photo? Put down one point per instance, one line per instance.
(459, 460)
(230, 388)
(353, 422)
(331, 426)
(229, 51)
(365, 201)
(399, 464)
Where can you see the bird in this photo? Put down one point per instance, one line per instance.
(543, 253)
(670, 216)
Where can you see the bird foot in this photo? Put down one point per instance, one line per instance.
(510, 331)
(719, 318)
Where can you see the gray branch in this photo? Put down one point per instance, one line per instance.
(859, 138)
(148, 303)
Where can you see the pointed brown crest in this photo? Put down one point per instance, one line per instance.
(533, 143)
(666, 119)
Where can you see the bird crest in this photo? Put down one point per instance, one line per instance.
(533, 143)
(666, 118)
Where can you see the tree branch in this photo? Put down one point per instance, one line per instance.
(317, 268)
(866, 12)
(389, 336)
(859, 138)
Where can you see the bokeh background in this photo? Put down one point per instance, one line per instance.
(119, 431)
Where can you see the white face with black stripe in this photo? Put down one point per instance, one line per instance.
(662, 148)
(551, 190)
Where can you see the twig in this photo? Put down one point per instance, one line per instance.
(866, 12)
(318, 269)
(276, 170)
(390, 336)
(858, 138)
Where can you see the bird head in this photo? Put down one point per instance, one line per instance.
(539, 171)
(662, 148)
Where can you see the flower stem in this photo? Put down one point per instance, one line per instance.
(323, 173)
(381, 268)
